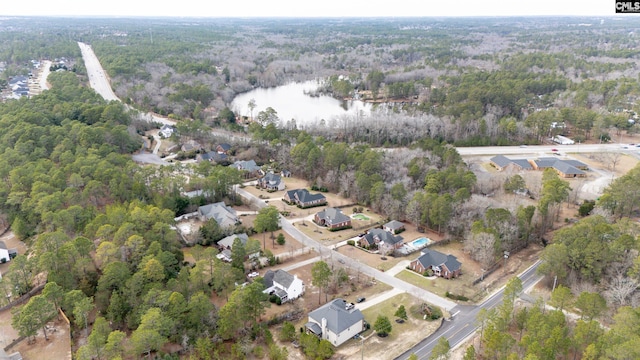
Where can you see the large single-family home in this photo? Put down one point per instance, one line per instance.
(226, 246)
(223, 148)
(190, 145)
(212, 156)
(303, 198)
(394, 227)
(446, 266)
(285, 286)
(227, 242)
(332, 218)
(271, 182)
(248, 167)
(333, 322)
(6, 254)
(224, 215)
(385, 241)
(167, 130)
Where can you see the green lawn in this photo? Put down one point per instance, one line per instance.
(438, 286)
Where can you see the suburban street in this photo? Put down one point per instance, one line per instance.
(326, 252)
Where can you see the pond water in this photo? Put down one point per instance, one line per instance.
(291, 102)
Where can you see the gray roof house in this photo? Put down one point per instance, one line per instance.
(446, 266)
(303, 198)
(272, 182)
(564, 168)
(227, 243)
(393, 226)
(224, 215)
(332, 218)
(386, 241)
(501, 162)
(333, 322)
(285, 286)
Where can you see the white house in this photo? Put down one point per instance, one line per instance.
(166, 131)
(285, 286)
(333, 322)
(6, 254)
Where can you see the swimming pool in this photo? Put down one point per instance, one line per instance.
(420, 242)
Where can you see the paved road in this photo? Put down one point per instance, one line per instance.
(544, 149)
(463, 323)
(97, 76)
(46, 70)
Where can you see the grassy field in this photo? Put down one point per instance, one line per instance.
(439, 286)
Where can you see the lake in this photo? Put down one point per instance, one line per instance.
(291, 102)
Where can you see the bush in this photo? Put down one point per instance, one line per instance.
(456, 297)
(351, 242)
(586, 208)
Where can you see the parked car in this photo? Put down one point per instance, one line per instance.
(253, 274)
(360, 299)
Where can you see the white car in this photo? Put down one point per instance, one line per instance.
(253, 274)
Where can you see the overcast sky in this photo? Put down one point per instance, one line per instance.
(297, 8)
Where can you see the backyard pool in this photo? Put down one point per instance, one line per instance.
(360, 217)
(421, 242)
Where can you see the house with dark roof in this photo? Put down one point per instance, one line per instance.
(332, 218)
(394, 227)
(333, 322)
(224, 215)
(446, 266)
(564, 168)
(223, 148)
(502, 162)
(271, 182)
(212, 156)
(303, 198)
(385, 241)
(285, 286)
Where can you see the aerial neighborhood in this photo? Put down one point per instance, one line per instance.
(172, 188)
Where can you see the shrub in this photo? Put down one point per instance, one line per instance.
(456, 297)
(351, 242)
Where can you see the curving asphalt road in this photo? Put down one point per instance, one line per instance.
(463, 322)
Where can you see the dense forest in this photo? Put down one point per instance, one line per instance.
(472, 81)
(99, 226)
